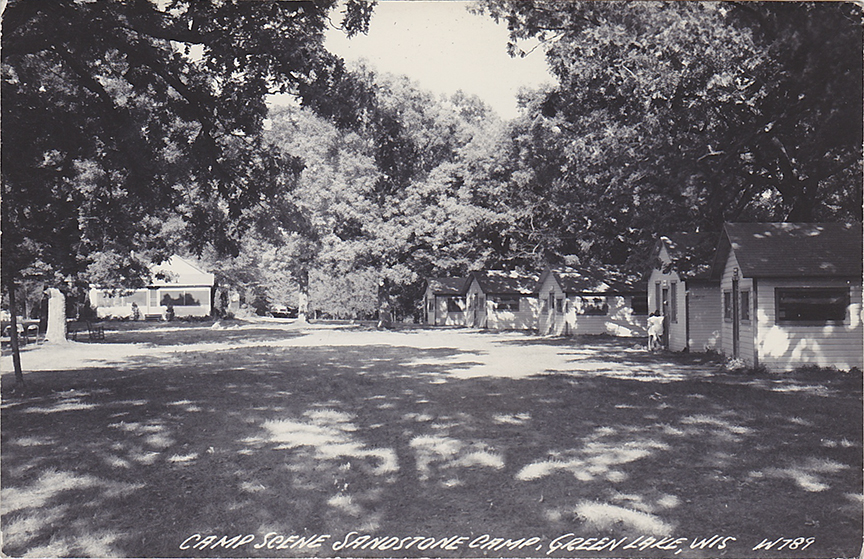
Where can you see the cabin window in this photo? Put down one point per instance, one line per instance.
(744, 303)
(559, 305)
(106, 299)
(727, 305)
(658, 301)
(506, 303)
(594, 306)
(177, 298)
(455, 304)
(673, 307)
(432, 305)
(639, 304)
(811, 305)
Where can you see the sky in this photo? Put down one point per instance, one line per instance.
(444, 49)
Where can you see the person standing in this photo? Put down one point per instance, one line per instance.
(655, 331)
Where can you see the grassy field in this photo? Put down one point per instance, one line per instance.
(339, 440)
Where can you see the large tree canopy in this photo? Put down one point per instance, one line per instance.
(680, 115)
(116, 112)
(119, 115)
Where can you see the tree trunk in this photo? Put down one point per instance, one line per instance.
(303, 296)
(384, 310)
(56, 331)
(13, 336)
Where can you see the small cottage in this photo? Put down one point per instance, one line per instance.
(791, 294)
(574, 302)
(444, 301)
(177, 283)
(501, 300)
(681, 289)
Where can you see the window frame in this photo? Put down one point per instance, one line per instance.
(639, 310)
(508, 300)
(597, 305)
(452, 304)
(673, 305)
(843, 292)
(727, 305)
(744, 308)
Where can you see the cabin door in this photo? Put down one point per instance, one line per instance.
(665, 313)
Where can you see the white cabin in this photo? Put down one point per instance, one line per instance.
(444, 301)
(175, 283)
(501, 300)
(791, 294)
(688, 301)
(574, 302)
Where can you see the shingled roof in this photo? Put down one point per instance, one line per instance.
(574, 280)
(500, 282)
(448, 286)
(786, 250)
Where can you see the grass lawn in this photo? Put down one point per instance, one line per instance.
(342, 440)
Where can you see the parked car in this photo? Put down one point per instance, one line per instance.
(283, 312)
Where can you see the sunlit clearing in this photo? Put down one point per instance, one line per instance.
(330, 434)
(346, 504)
(594, 460)
(602, 516)
(809, 475)
(52, 484)
(511, 419)
(438, 451)
(62, 406)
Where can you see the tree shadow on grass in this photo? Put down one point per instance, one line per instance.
(381, 440)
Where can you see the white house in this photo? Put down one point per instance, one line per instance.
(501, 300)
(791, 294)
(688, 300)
(444, 301)
(176, 283)
(576, 302)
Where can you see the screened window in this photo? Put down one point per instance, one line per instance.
(455, 304)
(818, 305)
(118, 300)
(639, 304)
(673, 306)
(506, 303)
(178, 298)
(727, 305)
(744, 303)
(594, 306)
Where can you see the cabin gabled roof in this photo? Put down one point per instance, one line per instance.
(448, 286)
(786, 250)
(572, 280)
(499, 282)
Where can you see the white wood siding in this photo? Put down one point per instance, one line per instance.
(705, 316)
(746, 342)
(122, 307)
(787, 346)
(525, 319)
(619, 321)
(677, 330)
(475, 312)
(550, 322)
